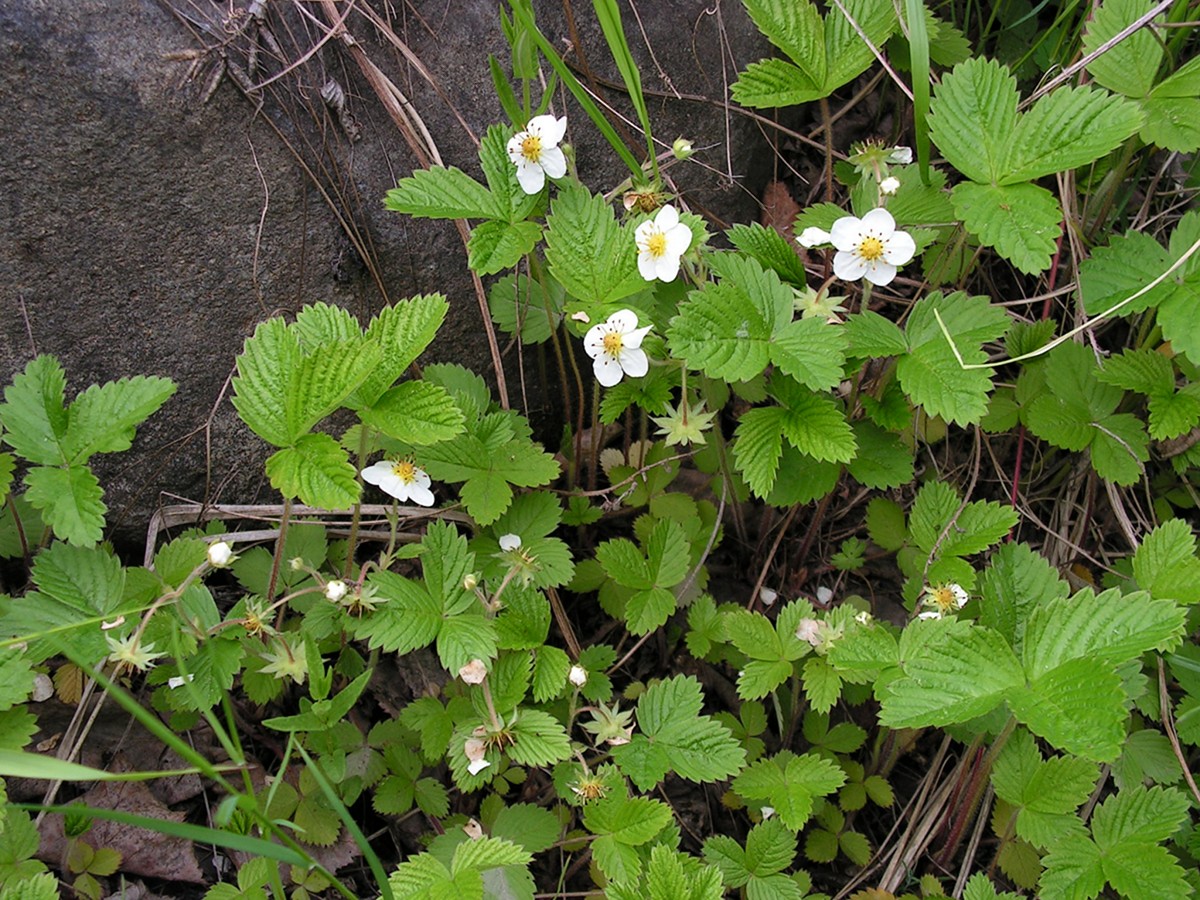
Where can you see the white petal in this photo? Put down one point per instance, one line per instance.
(378, 472)
(847, 233)
(648, 265)
(510, 542)
(553, 161)
(889, 185)
(607, 369)
(812, 236)
(679, 238)
(667, 268)
(634, 362)
(880, 273)
(623, 320)
(899, 248)
(849, 266)
(879, 222)
(477, 766)
(420, 494)
(634, 338)
(931, 614)
(643, 233)
(548, 128)
(902, 155)
(514, 147)
(667, 218)
(396, 487)
(593, 341)
(531, 176)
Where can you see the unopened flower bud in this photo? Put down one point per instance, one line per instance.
(900, 155)
(220, 555)
(889, 185)
(578, 676)
(470, 581)
(768, 596)
(296, 563)
(682, 148)
(335, 591)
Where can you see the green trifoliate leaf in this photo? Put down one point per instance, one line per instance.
(1021, 221)
(1066, 129)
(34, 414)
(283, 389)
(1130, 65)
(1077, 707)
(790, 784)
(812, 423)
(1109, 626)
(930, 374)
(812, 351)
(1078, 412)
(16, 678)
(408, 618)
(417, 413)
(953, 671)
(320, 324)
(488, 459)
(824, 53)
(1015, 582)
(872, 335)
(674, 736)
(588, 251)
(528, 307)
(103, 418)
(497, 246)
(973, 116)
(772, 648)
(539, 739)
(770, 249)
(70, 501)
(401, 332)
(444, 193)
(883, 461)
(317, 471)
(1165, 564)
(1124, 850)
(1046, 792)
(1121, 269)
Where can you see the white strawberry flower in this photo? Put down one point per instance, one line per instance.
(401, 479)
(335, 590)
(616, 348)
(536, 154)
(660, 242)
(942, 600)
(870, 247)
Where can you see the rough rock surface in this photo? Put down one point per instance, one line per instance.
(146, 228)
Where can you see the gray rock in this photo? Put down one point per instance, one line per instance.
(147, 231)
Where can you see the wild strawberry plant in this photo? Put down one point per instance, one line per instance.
(587, 658)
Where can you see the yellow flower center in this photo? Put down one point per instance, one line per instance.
(943, 598)
(531, 147)
(656, 244)
(613, 343)
(405, 471)
(870, 249)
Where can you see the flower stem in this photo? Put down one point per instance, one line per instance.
(277, 560)
(364, 434)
